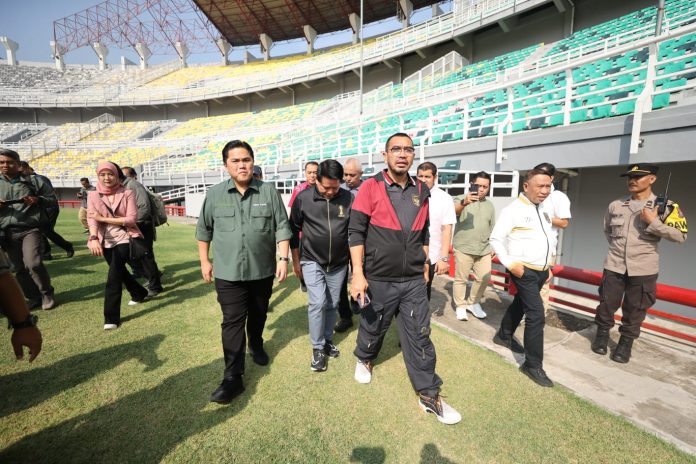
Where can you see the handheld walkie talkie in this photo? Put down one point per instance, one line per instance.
(661, 200)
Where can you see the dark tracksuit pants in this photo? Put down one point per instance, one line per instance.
(242, 303)
(409, 301)
(638, 294)
(527, 303)
(119, 276)
(344, 307)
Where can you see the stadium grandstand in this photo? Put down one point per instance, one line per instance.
(499, 85)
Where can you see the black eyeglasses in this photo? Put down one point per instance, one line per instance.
(395, 150)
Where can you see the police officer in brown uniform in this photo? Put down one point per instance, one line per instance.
(633, 227)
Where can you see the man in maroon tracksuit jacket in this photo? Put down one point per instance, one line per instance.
(389, 229)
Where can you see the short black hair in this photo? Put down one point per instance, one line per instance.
(331, 169)
(24, 164)
(482, 175)
(427, 166)
(548, 167)
(9, 153)
(398, 134)
(82, 179)
(130, 170)
(231, 145)
(536, 172)
(121, 175)
(310, 163)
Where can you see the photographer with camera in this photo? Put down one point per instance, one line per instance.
(633, 226)
(476, 219)
(22, 199)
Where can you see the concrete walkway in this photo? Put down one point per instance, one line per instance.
(656, 390)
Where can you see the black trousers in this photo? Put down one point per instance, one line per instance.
(527, 303)
(24, 250)
(117, 277)
(344, 308)
(638, 295)
(242, 303)
(147, 266)
(50, 233)
(431, 276)
(409, 301)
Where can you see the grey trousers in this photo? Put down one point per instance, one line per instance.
(324, 292)
(23, 249)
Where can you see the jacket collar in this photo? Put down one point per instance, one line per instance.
(389, 181)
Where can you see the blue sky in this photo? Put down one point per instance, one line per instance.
(30, 23)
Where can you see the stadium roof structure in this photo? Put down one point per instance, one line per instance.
(242, 21)
(162, 25)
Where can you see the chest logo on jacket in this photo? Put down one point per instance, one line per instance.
(341, 212)
(415, 199)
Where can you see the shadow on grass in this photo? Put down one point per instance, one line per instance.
(368, 455)
(146, 426)
(26, 389)
(431, 455)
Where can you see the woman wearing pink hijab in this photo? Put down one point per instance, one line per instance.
(111, 215)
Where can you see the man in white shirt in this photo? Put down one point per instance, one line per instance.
(524, 243)
(558, 204)
(442, 219)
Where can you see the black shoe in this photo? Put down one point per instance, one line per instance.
(259, 356)
(343, 325)
(228, 390)
(303, 287)
(537, 374)
(318, 361)
(70, 252)
(151, 293)
(47, 257)
(511, 343)
(599, 345)
(622, 353)
(34, 304)
(331, 350)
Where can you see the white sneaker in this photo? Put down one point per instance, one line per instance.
(133, 303)
(461, 313)
(443, 411)
(363, 371)
(110, 326)
(477, 310)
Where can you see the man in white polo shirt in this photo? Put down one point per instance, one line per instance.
(558, 204)
(442, 219)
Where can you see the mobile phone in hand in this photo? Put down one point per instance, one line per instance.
(363, 300)
(474, 189)
(12, 202)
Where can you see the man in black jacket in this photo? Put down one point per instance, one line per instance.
(389, 229)
(320, 216)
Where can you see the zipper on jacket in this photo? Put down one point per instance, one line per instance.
(328, 218)
(546, 259)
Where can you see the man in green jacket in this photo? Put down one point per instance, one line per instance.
(244, 219)
(23, 202)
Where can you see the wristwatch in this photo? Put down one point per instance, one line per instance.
(92, 237)
(30, 321)
(284, 258)
(444, 259)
